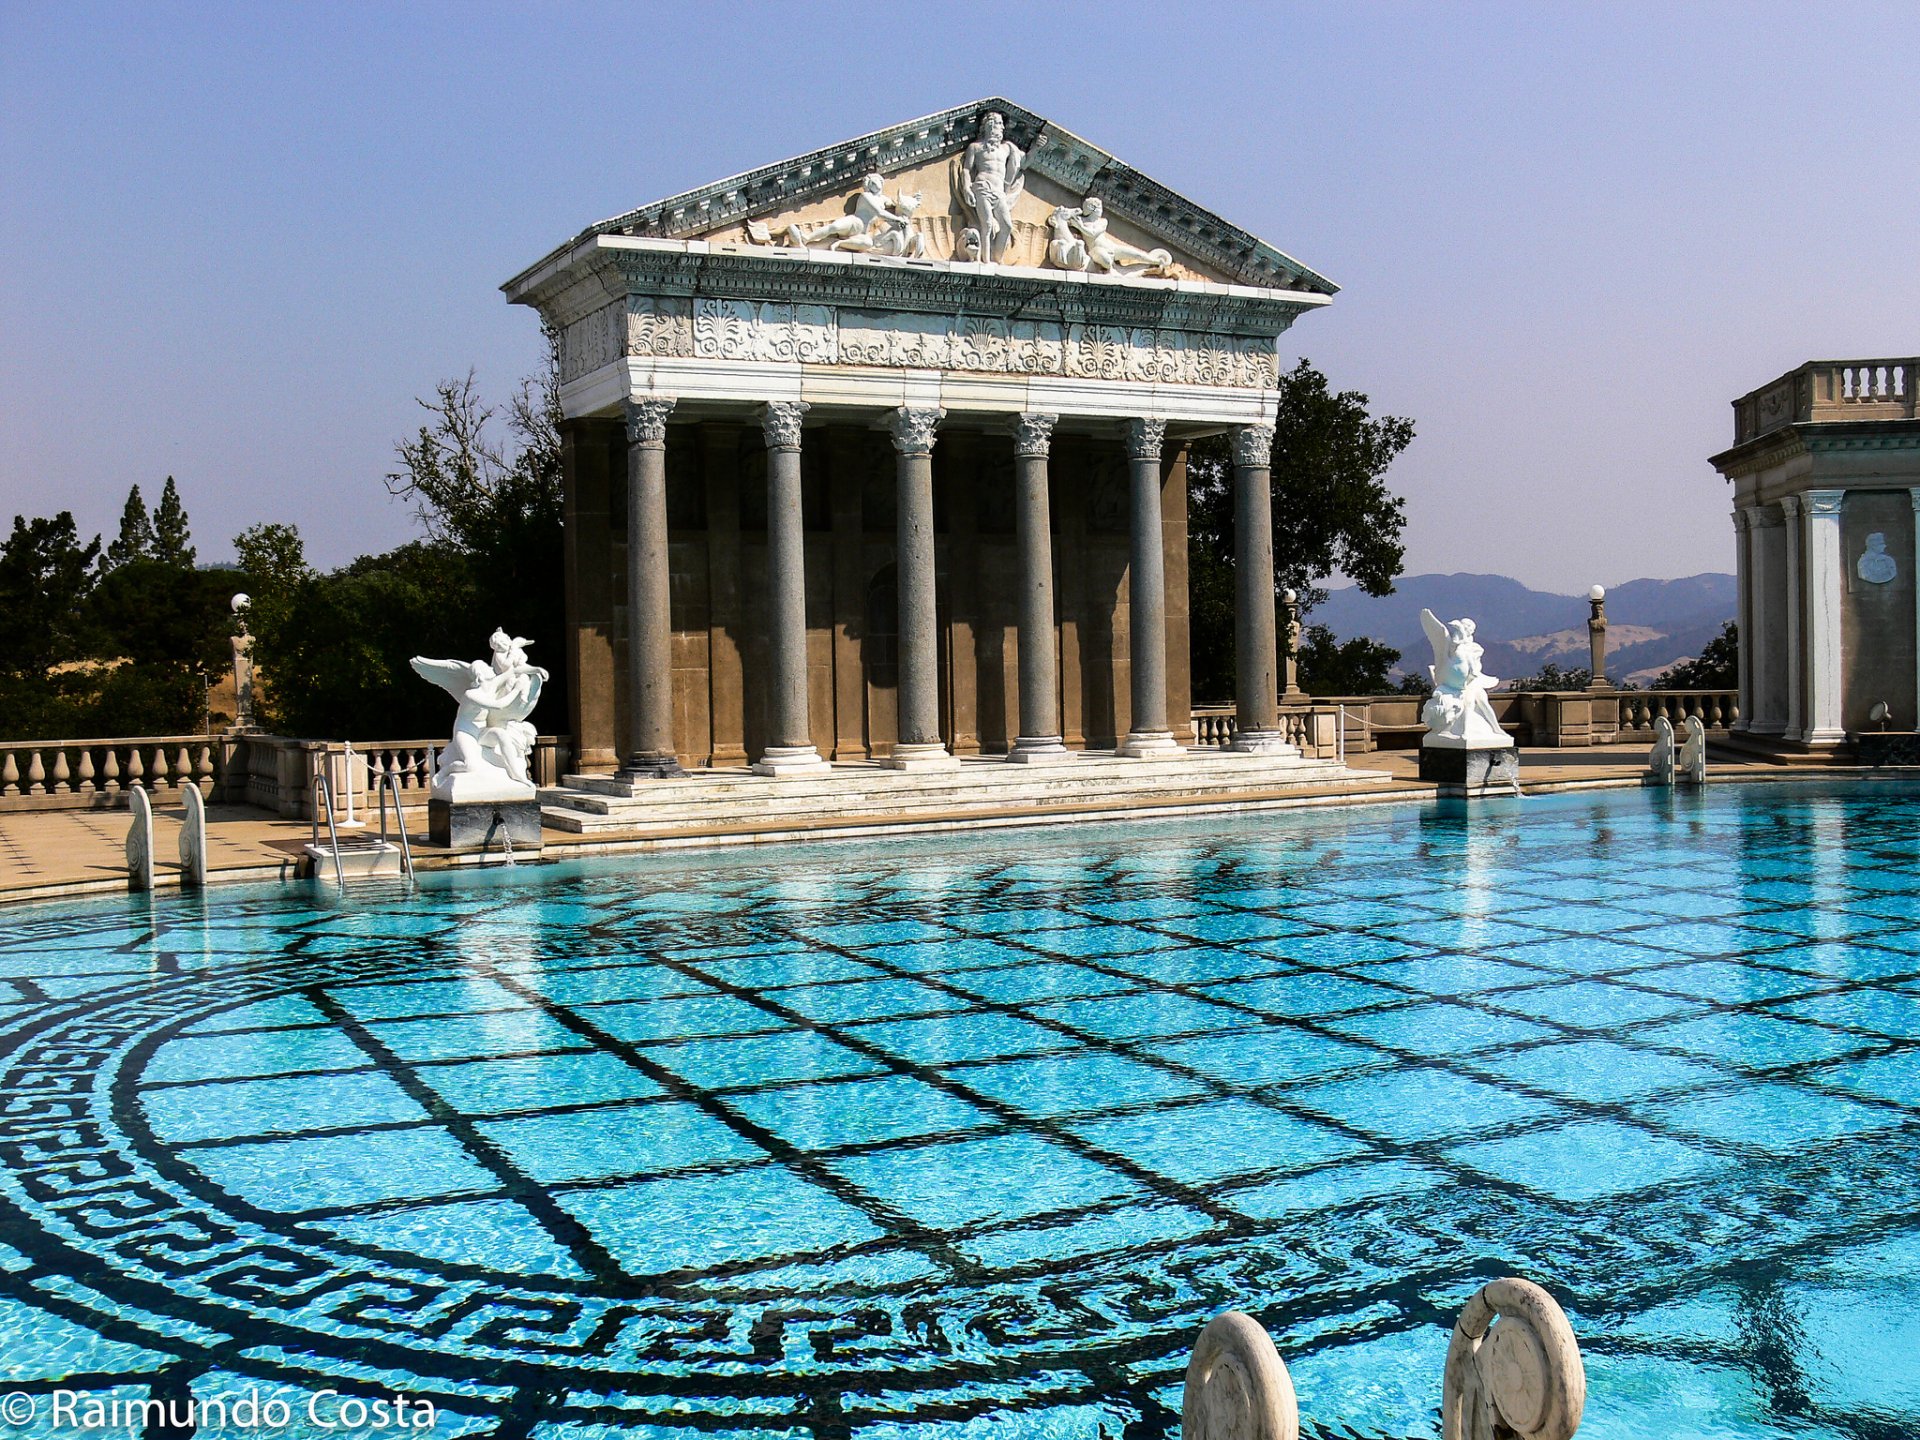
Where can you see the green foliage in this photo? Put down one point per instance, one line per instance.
(99, 648)
(1332, 512)
(172, 539)
(1717, 667)
(136, 540)
(1330, 666)
(333, 649)
(1551, 677)
(46, 575)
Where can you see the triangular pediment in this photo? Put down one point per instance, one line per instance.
(921, 207)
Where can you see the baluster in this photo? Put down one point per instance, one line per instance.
(62, 776)
(203, 766)
(159, 771)
(182, 769)
(36, 775)
(110, 771)
(83, 783)
(135, 769)
(9, 775)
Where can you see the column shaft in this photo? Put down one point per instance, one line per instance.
(1147, 734)
(1255, 640)
(1040, 738)
(650, 748)
(1743, 613)
(789, 730)
(1796, 659)
(1913, 495)
(918, 746)
(1822, 568)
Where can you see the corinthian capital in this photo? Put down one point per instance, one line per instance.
(912, 430)
(1253, 445)
(1033, 434)
(647, 421)
(781, 424)
(1145, 437)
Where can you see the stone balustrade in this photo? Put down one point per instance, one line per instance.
(277, 773)
(1829, 390)
(97, 774)
(1639, 709)
(1313, 730)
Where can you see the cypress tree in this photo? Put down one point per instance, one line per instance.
(136, 538)
(172, 540)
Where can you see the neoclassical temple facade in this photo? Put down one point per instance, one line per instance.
(1826, 485)
(880, 454)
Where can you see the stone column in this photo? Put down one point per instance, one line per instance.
(918, 746)
(789, 732)
(1148, 734)
(1796, 659)
(1914, 496)
(650, 750)
(1743, 613)
(1039, 741)
(1767, 606)
(1824, 574)
(1255, 644)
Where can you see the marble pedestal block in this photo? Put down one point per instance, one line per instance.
(1474, 766)
(1886, 747)
(485, 824)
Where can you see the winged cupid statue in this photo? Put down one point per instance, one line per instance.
(487, 757)
(1458, 713)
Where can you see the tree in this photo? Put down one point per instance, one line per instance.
(1717, 667)
(1332, 512)
(172, 540)
(136, 539)
(46, 575)
(1551, 677)
(1329, 666)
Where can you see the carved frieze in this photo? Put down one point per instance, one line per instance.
(713, 328)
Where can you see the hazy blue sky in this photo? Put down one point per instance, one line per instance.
(237, 242)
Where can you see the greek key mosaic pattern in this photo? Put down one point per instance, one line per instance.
(904, 1142)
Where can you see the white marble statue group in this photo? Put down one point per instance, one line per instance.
(1458, 713)
(988, 177)
(492, 737)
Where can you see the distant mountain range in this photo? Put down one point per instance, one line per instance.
(1651, 624)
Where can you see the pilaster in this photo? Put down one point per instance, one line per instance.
(1824, 577)
(1796, 724)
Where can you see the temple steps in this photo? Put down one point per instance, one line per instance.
(977, 788)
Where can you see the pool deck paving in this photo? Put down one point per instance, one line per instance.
(46, 854)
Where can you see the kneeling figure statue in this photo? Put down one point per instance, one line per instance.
(483, 769)
(1464, 743)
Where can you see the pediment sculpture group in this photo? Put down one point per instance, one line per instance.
(987, 179)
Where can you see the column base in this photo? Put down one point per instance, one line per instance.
(1150, 745)
(927, 756)
(1261, 742)
(787, 760)
(1039, 750)
(651, 767)
(1824, 737)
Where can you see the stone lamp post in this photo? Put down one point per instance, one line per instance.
(1290, 691)
(242, 666)
(1597, 638)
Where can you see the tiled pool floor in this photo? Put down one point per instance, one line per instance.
(972, 1137)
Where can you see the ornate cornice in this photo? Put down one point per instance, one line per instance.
(1144, 438)
(781, 424)
(1253, 445)
(1033, 435)
(647, 422)
(912, 430)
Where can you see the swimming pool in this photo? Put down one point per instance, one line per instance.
(943, 1139)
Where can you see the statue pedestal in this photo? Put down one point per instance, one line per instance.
(1474, 764)
(483, 812)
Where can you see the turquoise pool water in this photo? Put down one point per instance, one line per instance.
(969, 1138)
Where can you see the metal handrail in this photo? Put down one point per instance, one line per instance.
(390, 782)
(325, 789)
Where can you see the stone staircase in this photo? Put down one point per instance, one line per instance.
(864, 797)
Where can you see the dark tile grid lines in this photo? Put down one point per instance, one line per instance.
(1072, 983)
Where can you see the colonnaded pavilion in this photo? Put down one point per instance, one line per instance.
(879, 454)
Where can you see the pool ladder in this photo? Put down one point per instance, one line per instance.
(388, 785)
